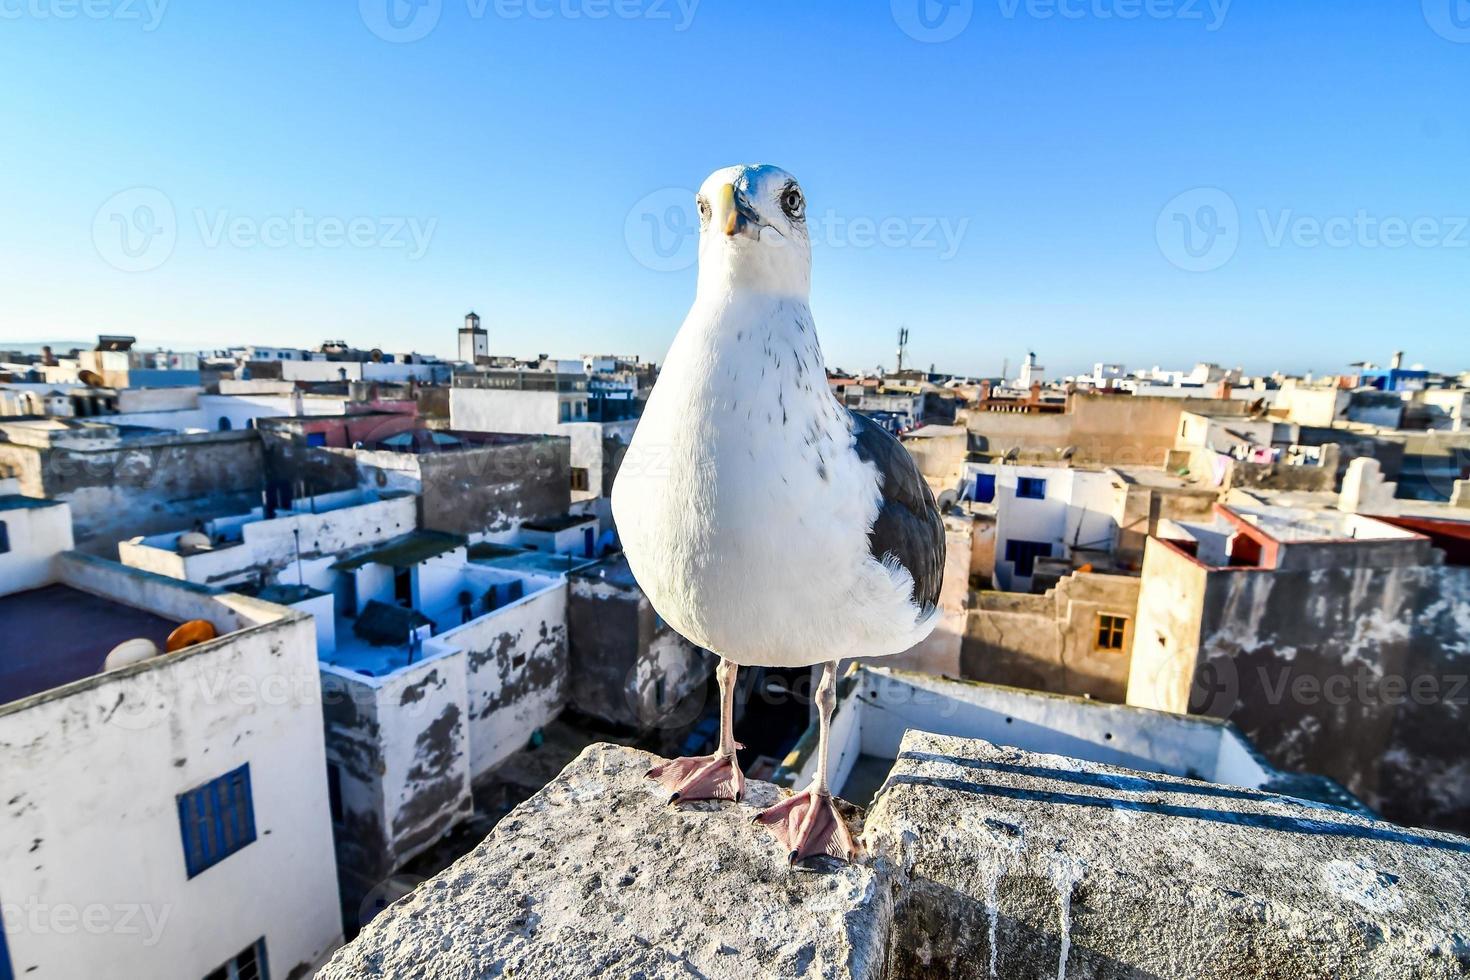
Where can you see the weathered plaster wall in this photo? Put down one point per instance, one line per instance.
(1107, 429)
(89, 824)
(516, 664)
(495, 488)
(143, 486)
(620, 653)
(1358, 673)
(1049, 642)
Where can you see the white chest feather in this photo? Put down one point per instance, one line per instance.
(742, 507)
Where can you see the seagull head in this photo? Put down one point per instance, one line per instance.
(752, 231)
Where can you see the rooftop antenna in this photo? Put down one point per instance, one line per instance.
(903, 344)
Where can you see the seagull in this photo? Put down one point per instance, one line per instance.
(764, 520)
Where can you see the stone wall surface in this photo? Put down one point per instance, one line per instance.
(598, 876)
(1018, 865)
(982, 861)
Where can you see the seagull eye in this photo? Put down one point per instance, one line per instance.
(704, 212)
(793, 203)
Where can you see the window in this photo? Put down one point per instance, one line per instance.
(1031, 488)
(984, 488)
(334, 792)
(566, 411)
(249, 965)
(316, 438)
(581, 410)
(224, 423)
(1023, 555)
(4, 537)
(1110, 631)
(217, 819)
(580, 478)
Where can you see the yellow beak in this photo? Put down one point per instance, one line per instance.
(729, 210)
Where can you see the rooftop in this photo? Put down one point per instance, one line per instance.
(404, 551)
(512, 559)
(57, 634)
(1299, 524)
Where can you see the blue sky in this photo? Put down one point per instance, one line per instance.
(1270, 184)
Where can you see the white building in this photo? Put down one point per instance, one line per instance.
(169, 818)
(33, 531)
(543, 403)
(438, 659)
(1044, 512)
(876, 706)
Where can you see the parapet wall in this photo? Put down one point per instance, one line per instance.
(981, 861)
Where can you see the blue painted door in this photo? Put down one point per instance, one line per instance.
(587, 542)
(984, 487)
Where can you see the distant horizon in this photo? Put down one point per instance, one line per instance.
(146, 343)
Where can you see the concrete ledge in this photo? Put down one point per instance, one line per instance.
(1018, 865)
(984, 862)
(597, 876)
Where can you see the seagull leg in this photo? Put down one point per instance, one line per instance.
(809, 823)
(709, 777)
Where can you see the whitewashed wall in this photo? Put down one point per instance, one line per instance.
(92, 833)
(37, 535)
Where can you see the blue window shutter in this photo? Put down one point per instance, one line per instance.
(216, 820)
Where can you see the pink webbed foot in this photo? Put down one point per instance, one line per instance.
(705, 777)
(809, 824)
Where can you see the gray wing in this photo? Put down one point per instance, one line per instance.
(908, 526)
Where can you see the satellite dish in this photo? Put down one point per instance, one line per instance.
(1012, 454)
(193, 541)
(376, 355)
(130, 652)
(90, 378)
(192, 633)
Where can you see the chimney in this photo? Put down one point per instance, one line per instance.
(1398, 360)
